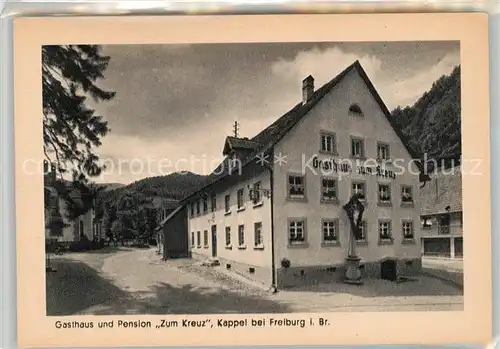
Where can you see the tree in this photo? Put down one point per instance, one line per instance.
(78, 197)
(108, 218)
(56, 224)
(432, 124)
(72, 130)
(54, 221)
(151, 221)
(117, 228)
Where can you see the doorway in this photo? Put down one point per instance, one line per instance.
(214, 241)
(389, 270)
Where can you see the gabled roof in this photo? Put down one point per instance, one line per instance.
(233, 143)
(442, 191)
(166, 203)
(271, 135)
(169, 217)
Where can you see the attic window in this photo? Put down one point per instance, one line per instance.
(355, 110)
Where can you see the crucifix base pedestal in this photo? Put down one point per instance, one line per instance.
(353, 275)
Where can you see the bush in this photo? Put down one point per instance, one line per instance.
(97, 244)
(285, 263)
(140, 245)
(80, 246)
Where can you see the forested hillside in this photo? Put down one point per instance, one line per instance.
(171, 187)
(433, 123)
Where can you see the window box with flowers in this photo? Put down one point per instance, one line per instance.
(385, 233)
(329, 191)
(330, 233)
(407, 196)
(296, 187)
(384, 195)
(297, 232)
(359, 187)
(408, 233)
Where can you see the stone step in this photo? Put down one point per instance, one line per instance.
(211, 262)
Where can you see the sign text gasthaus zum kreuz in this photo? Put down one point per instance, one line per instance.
(333, 165)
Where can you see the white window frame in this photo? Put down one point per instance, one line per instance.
(364, 227)
(404, 224)
(389, 230)
(227, 237)
(379, 192)
(357, 182)
(198, 239)
(241, 236)
(258, 235)
(360, 141)
(205, 238)
(327, 224)
(240, 199)
(403, 188)
(289, 186)
(383, 148)
(256, 193)
(428, 220)
(294, 223)
(227, 204)
(323, 190)
(325, 139)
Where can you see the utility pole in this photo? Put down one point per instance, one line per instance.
(236, 128)
(137, 216)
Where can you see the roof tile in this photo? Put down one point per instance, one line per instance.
(443, 190)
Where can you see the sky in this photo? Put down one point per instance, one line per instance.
(175, 104)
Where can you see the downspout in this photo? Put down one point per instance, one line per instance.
(273, 255)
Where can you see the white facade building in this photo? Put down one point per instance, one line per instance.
(273, 209)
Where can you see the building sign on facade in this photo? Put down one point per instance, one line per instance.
(334, 166)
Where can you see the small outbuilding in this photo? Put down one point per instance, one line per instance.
(173, 234)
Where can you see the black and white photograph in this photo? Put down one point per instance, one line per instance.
(244, 178)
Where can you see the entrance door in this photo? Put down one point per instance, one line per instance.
(388, 270)
(214, 241)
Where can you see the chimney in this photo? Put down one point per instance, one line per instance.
(307, 89)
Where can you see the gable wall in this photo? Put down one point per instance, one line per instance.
(303, 142)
